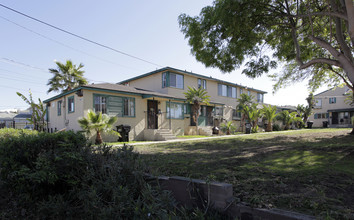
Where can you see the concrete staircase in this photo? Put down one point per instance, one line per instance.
(207, 131)
(164, 135)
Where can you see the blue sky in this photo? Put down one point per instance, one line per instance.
(145, 29)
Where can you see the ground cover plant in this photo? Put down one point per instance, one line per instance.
(60, 176)
(309, 171)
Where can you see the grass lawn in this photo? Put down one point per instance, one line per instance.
(309, 171)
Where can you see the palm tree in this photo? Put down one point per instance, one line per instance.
(196, 97)
(228, 127)
(98, 122)
(288, 118)
(253, 114)
(66, 77)
(269, 112)
(244, 100)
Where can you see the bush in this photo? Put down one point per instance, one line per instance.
(59, 176)
(276, 127)
(56, 176)
(11, 132)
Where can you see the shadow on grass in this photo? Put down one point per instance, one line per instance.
(310, 173)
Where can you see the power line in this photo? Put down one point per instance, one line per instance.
(21, 80)
(22, 64)
(19, 73)
(9, 87)
(38, 68)
(80, 37)
(64, 45)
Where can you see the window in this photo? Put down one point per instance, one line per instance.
(332, 100)
(59, 107)
(164, 80)
(259, 97)
(222, 90)
(249, 93)
(202, 83)
(318, 103)
(100, 103)
(187, 108)
(71, 104)
(114, 105)
(241, 91)
(218, 111)
(175, 110)
(321, 115)
(129, 107)
(228, 91)
(233, 92)
(172, 80)
(236, 114)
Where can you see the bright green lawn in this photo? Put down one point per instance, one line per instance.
(309, 171)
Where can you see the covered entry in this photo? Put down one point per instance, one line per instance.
(205, 116)
(152, 114)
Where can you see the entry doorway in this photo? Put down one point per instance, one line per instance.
(152, 116)
(334, 118)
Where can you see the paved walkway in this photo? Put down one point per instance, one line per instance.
(195, 139)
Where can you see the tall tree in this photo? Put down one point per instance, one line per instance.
(269, 112)
(98, 122)
(314, 38)
(196, 97)
(243, 101)
(66, 77)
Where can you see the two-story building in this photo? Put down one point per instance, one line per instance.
(331, 108)
(153, 104)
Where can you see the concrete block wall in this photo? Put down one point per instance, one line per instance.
(196, 193)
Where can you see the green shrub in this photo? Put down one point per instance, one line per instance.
(276, 127)
(60, 176)
(11, 132)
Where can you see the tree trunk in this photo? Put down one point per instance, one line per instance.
(352, 133)
(98, 138)
(269, 126)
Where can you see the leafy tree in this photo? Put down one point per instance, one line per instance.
(196, 97)
(66, 77)
(288, 118)
(228, 127)
(314, 39)
(308, 109)
(269, 112)
(99, 123)
(38, 111)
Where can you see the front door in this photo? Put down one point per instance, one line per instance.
(334, 118)
(152, 114)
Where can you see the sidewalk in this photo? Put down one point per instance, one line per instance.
(196, 139)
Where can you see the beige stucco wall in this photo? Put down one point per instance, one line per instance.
(151, 82)
(154, 82)
(340, 104)
(137, 123)
(67, 119)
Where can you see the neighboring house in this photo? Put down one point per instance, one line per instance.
(6, 119)
(153, 104)
(331, 108)
(21, 120)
